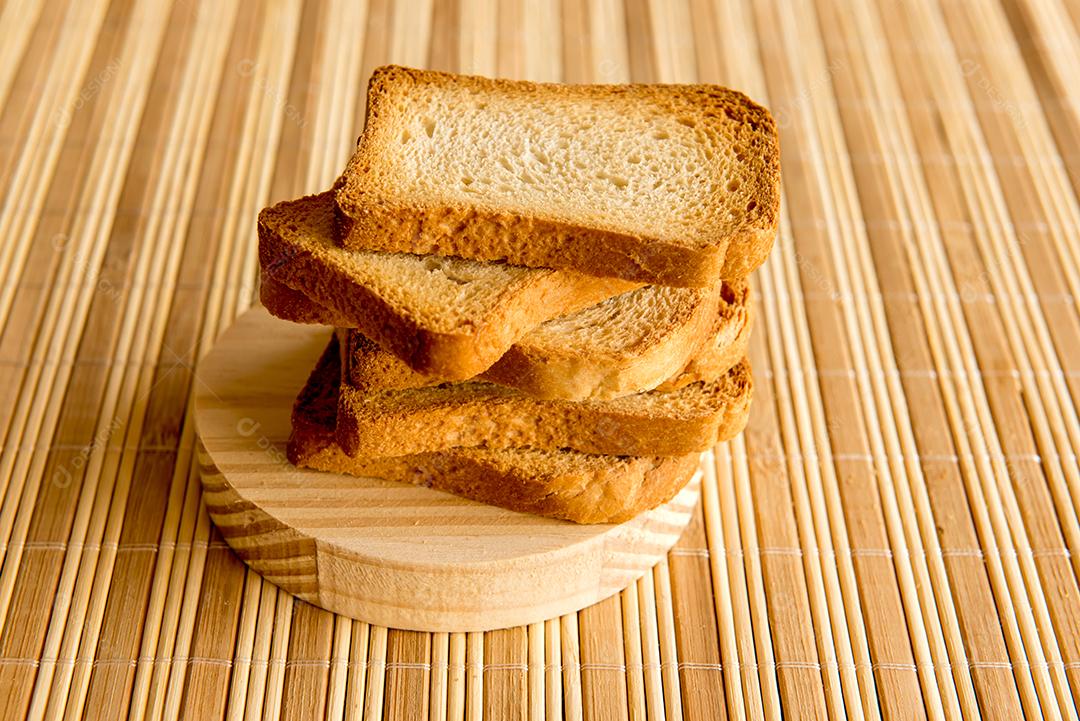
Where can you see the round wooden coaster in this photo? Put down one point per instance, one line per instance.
(379, 551)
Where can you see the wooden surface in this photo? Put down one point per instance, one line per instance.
(894, 537)
(385, 552)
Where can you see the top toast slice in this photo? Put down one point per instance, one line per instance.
(444, 316)
(666, 184)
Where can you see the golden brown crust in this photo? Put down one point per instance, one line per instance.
(370, 216)
(572, 486)
(288, 304)
(366, 367)
(495, 236)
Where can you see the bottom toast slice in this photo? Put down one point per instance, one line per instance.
(569, 485)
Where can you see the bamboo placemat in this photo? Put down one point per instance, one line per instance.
(895, 536)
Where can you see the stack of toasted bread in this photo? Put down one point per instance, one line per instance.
(539, 291)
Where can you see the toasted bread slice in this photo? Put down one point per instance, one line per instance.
(583, 368)
(444, 316)
(478, 414)
(636, 341)
(561, 484)
(668, 184)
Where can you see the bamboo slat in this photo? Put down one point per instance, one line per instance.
(895, 536)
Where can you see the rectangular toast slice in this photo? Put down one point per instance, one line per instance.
(649, 338)
(690, 419)
(443, 316)
(673, 185)
(573, 486)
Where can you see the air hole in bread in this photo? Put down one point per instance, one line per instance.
(661, 135)
(635, 159)
(406, 136)
(727, 294)
(429, 127)
(435, 264)
(617, 181)
(732, 186)
(751, 205)
(688, 122)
